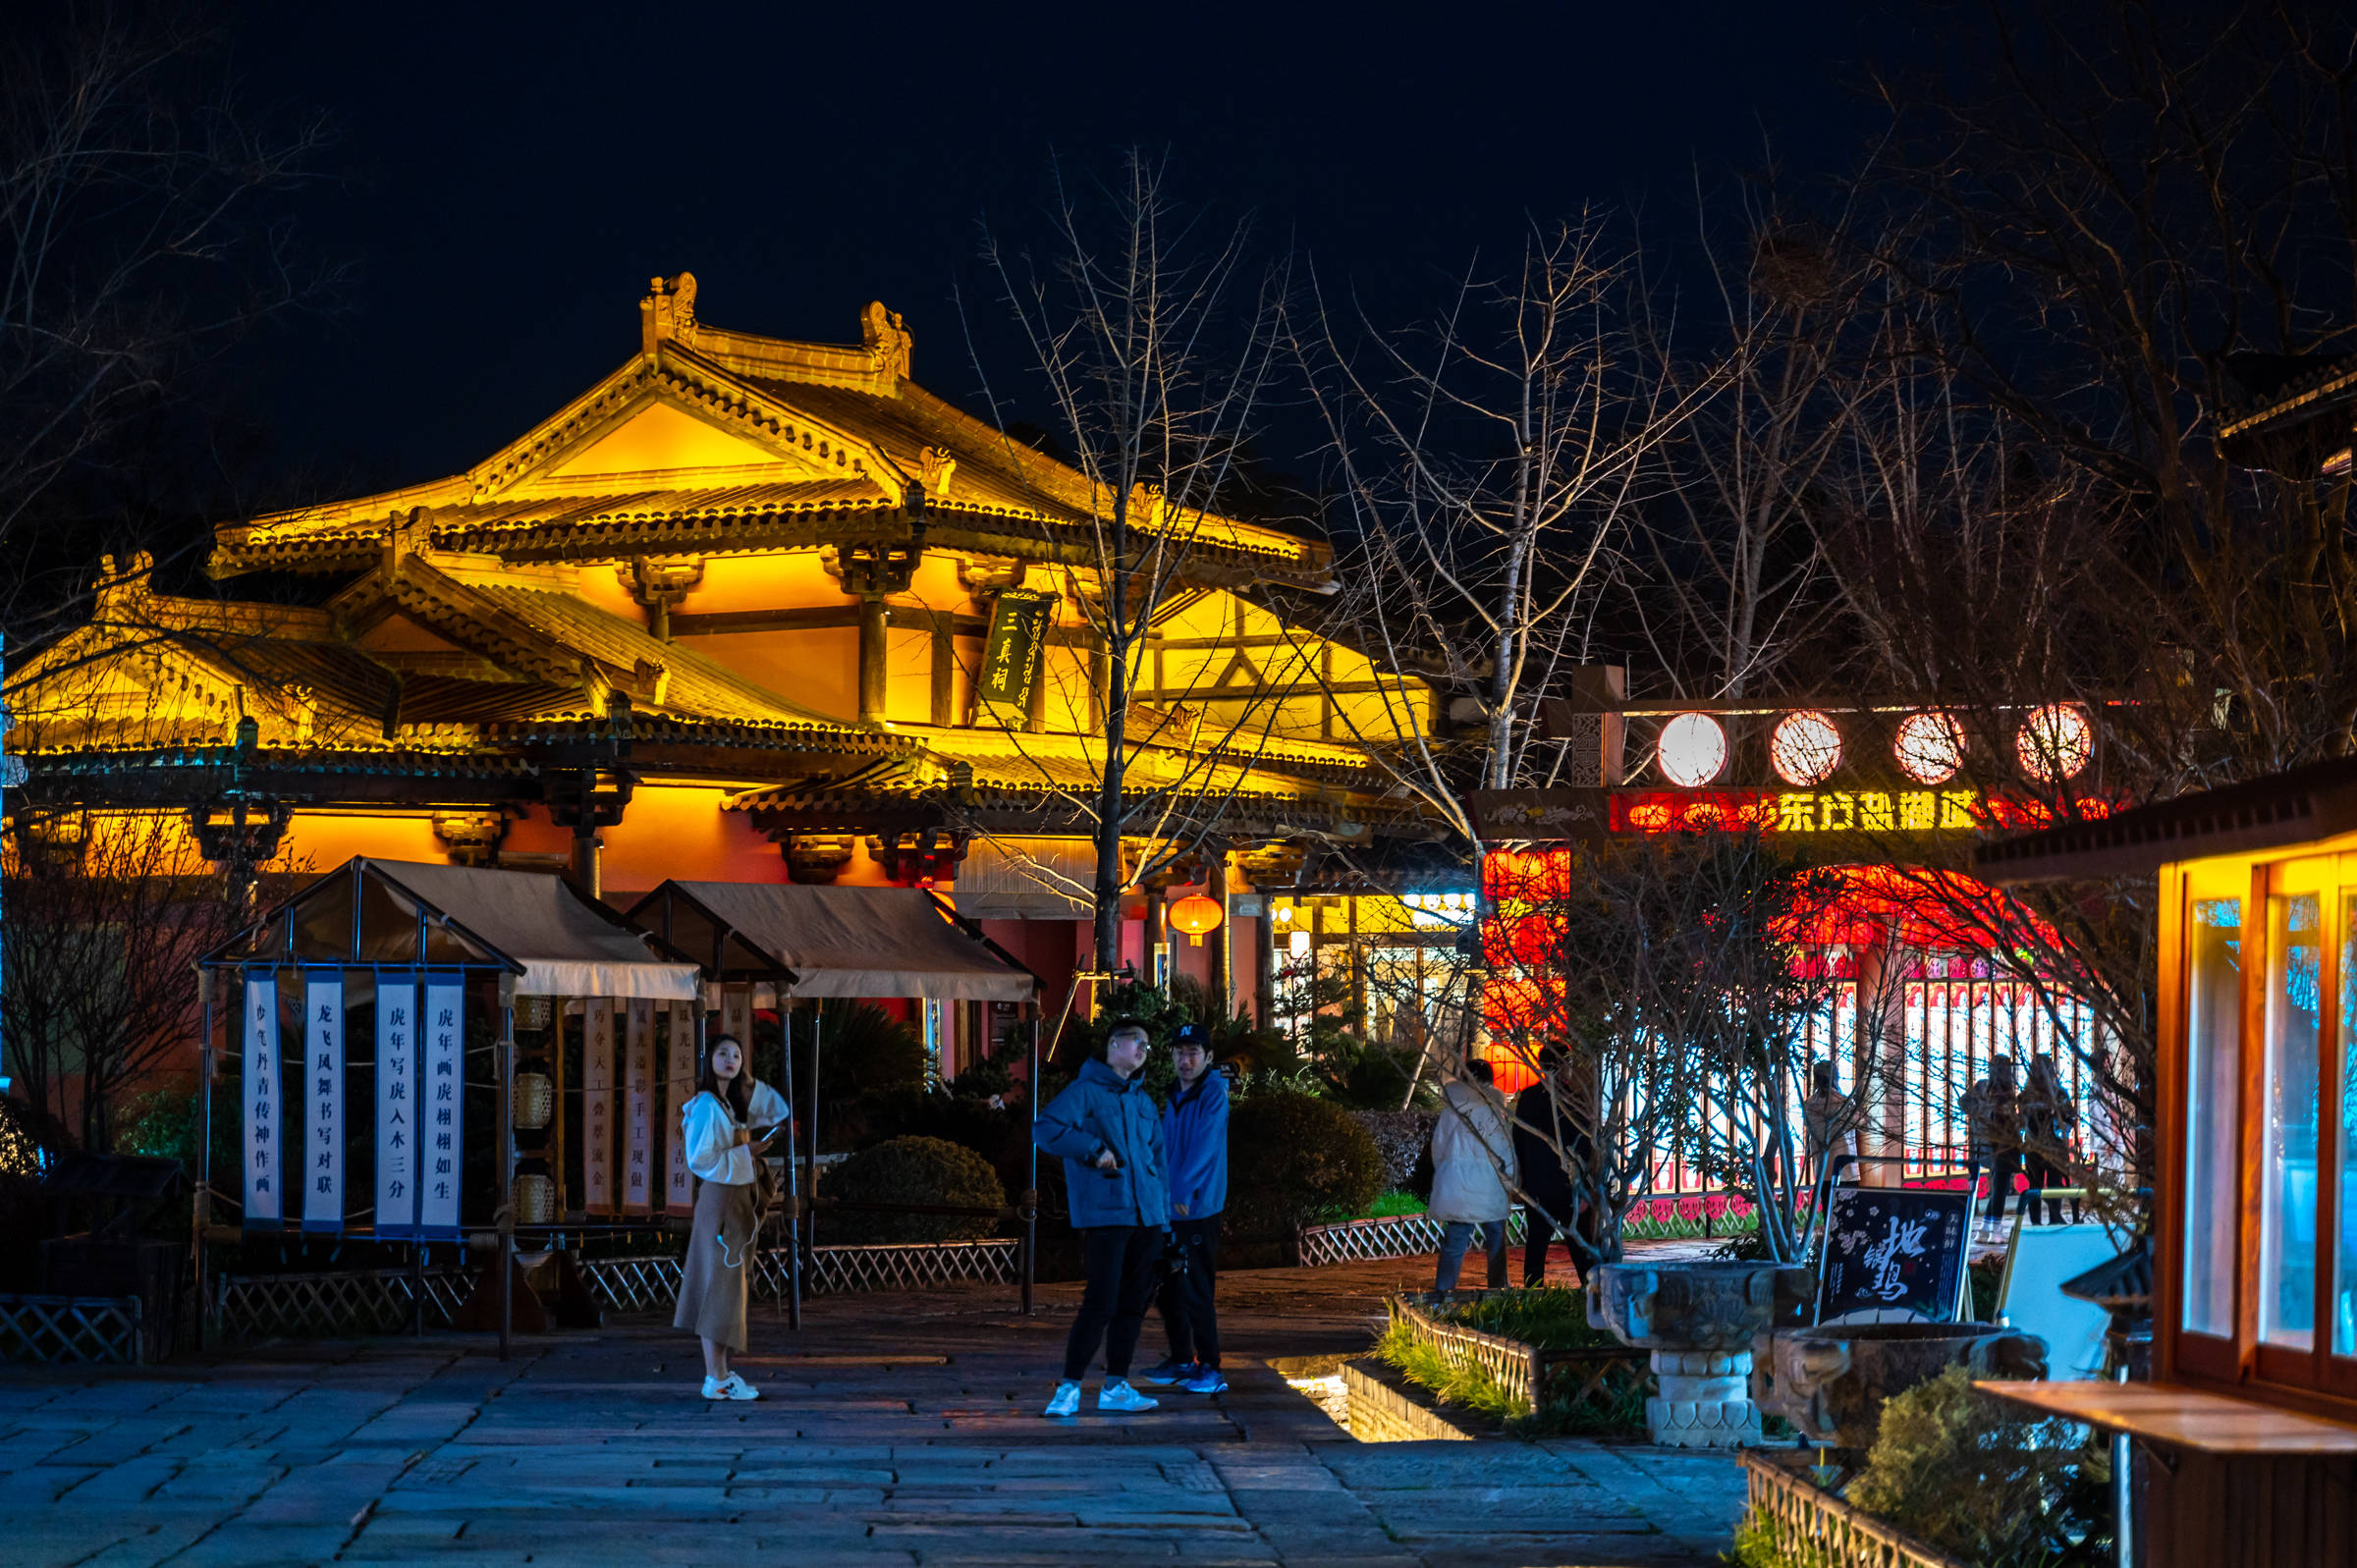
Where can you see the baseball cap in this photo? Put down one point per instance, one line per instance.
(1191, 1034)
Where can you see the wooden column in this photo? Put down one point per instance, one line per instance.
(945, 670)
(872, 683)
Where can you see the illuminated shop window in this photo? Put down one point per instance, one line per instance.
(2212, 1108)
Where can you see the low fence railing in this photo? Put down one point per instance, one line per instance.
(653, 1283)
(1529, 1374)
(1667, 1217)
(351, 1301)
(1807, 1524)
(71, 1329)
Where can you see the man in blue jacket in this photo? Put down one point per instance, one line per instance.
(1104, 1130)
(1195, 1129)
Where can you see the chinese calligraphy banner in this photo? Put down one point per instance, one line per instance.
(678, 1191)
(395, 1105)
(1898, 1252)
(639, 1084)
(442, 1112)
(1010, 653)
(323, 1101)
(263, 1110)
(597, 1104)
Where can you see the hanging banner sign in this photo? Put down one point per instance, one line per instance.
(639, 1082)
(442, 1110)
(323, 1101)
(597, 1104)
(679, 1186)
(1012, 653)
(736, 1019)
(1893, 1250)
(262, 1195)
(395, 1105)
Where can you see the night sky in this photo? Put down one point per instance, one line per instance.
(508, 179)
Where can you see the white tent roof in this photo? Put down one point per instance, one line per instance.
(567, 947)
(858, 942)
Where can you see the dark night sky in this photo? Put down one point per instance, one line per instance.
(508, 179)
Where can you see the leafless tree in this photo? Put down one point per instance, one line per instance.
(1151, 339)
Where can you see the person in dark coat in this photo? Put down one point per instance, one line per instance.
(1545, 1136)
(1194, 1133)
(1993, 1127)
(1107, 1132)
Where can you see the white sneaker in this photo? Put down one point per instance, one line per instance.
(730, 1387)
(1067, 1401)
(1117, 1394)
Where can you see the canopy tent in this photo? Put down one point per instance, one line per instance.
(535, 927)
(833, 941)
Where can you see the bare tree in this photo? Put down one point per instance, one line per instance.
(1152, 342)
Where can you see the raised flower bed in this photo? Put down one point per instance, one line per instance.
(1585, 1384)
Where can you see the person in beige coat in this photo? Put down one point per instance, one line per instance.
(1473, 1171)
(724, 1126)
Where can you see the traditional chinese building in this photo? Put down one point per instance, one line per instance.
(744, 610)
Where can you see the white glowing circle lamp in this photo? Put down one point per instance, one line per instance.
(1804, 748)
(1297, 943)
(1929, 746)
(1691, 750)
(2055, 742)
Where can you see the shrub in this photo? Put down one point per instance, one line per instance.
(1968, 1475)
(912, 1170)
(1293, 1158)
(1405, 1140)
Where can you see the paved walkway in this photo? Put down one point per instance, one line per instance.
(894, 1429)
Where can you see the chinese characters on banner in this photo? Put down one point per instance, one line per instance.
(736, 1019)
(395, 1105)
(1893, 1250)
(1011, 654)
(323, 1101)
(442, 1110)
(638, 1076)
(679, 1190)
(262, 1196)
(597, 1104)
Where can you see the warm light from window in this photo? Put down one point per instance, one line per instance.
(1805, 748)
(1297, 943)
(1691, 750)
(2055, 742)
(1929, 746)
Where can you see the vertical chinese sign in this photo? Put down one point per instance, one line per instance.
(597, 1104)
(262, 1195)
(639, 1083)
(395, 1105)
(443, 1110)
(1012, 654)
(323, 1100)
(678, 1191)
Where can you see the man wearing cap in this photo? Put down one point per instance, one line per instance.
(1194, 1133)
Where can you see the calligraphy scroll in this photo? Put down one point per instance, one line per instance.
(395, 1105)
(678, 1187)
(1011, 654)
(639, 1084)
(597, 1104)
(442, 1112)
(323, 1101)
(263, 1110)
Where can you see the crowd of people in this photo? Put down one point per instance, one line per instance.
(1146, 1188)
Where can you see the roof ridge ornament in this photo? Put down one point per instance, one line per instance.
(122, 597)
(668, 312)
(888, 340)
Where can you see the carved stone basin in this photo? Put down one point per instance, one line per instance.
(1699, 1319)
(1832, 1382)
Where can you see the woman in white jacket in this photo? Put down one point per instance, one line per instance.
(718, 1125)
(1472, 1174)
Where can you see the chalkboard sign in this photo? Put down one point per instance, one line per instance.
(1893, 1251)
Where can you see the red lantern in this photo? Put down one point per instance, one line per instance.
(1195, 915)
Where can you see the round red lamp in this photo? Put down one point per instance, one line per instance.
(1195, 915)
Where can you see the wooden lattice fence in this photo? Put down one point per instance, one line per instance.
(1810, 1525)
(71, 1329)
(1531, 1376)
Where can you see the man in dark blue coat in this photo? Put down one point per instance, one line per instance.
(1194, 1136)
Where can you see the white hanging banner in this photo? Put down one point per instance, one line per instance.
(679, 1186)
(262, 1109)
(396, 1103)
(597, 1104)
(442, 1110)
(323, 1101)
(639, 1082)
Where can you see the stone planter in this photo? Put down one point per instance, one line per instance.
(1832, 1382)
(1699, 1321)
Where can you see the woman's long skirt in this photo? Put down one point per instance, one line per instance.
(713, 1282)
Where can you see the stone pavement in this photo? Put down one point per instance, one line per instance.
(894, 1429)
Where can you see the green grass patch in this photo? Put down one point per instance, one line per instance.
(1468, 1386)
(1392, 1205)
(1552, 1318)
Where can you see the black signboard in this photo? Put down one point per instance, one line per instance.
(1894, 1249)
(1018, 633)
